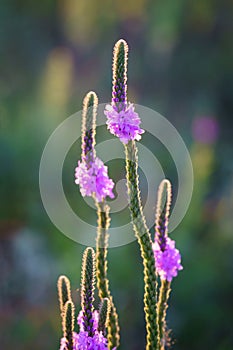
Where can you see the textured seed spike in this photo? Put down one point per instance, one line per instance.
(90, 104)
(104, 311)
(68, 323)
(163, 212)
(87, 289)
(64, 292)
(119, 88)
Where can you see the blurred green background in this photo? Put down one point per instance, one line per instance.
(181, 64)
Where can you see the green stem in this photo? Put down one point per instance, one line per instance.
(101, 272)
(161, 313)
(145, 242)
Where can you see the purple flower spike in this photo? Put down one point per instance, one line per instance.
(95, 317)
(119, 83)
(167, 261)
(63, 344)
(84, 342)
(124, 124)
(94, 180)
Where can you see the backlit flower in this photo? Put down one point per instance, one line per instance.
(93, 180)
(124, 123)
(168, 260)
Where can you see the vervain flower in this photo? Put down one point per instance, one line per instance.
(63, 344)
(93, 180)
(95, 318)
(167, 257)
(167, 260)
(124, 123)
(82, 341)
(122, 120)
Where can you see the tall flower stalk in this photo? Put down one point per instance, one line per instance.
(92, 176)
(124, 123)
(104, 311)
(167, 259)
(92, 323)
(87, 290)
(101, 272)
(67, 311)
(64, 292)
(68, 324)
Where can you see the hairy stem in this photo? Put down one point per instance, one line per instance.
(101, 272)
(161, 313)
(145, 242)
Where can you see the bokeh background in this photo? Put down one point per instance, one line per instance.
(181, 64)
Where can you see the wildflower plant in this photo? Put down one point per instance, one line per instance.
(92, 176)
(161, 260)
(130, 132)
(92, 323)
(167, 259)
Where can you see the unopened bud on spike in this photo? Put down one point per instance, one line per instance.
(64, 293)
(87, 289)
(163, 212)
(68, 323)
(90, 104)
(119, 88)
(104, 311)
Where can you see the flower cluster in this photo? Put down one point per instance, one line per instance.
(95, 319)
(99, 330)
(94, 180)
(124, 123)
(91, 173)
(82, 341)
(167, 260)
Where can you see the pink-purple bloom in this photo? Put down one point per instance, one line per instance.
(95, 317)
(124, 123)
(82, 341)
(167, 260)
(63, 344)
(93, 180)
